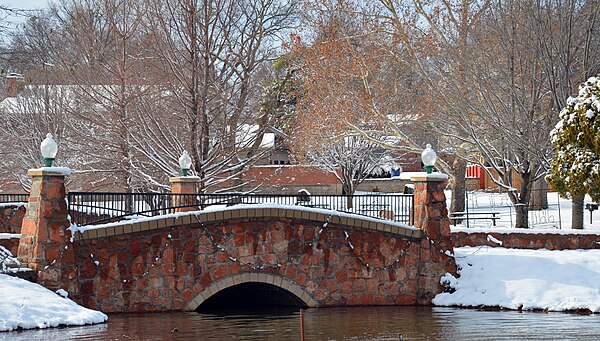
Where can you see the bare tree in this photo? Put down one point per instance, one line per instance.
(211, 53)
(27, 118)
(104, 60)
(351, 159)
(435, 40)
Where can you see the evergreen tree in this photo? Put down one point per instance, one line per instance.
(575, 169)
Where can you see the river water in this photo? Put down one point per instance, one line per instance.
(363, 323)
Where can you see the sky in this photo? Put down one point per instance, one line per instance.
(24, 4)
(12, 20)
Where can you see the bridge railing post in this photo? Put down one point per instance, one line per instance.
(430, 211)
(431, 216)
(184, 190)
(45, 228)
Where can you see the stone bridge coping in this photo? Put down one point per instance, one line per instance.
(194, 217)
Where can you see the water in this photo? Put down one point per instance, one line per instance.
(368, 323)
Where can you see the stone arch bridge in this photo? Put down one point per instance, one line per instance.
(251, 254)
(281, 256)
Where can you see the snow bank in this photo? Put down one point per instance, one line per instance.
(525, 279)
(28, 305)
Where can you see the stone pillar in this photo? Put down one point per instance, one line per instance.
(430, 211)
(44, 233)
(185, 185)
(431, 216)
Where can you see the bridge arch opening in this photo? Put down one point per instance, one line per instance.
(259, 293)
(252, 296)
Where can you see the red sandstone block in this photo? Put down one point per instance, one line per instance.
(188, 295)
(321, 295)
(405, 299)
(89, 288)
(178, 304)
(301, 279)
(205, 280)
(438, 196)
(234, 268)
(270, 259)
(134, 247)
(239, 239)
(276, 236)
(346, 287)
(136, 266)
(359, 285)
(168, 255)
(181, 269)
(154, 293)
(311, 287)
(372, 285)
(352, 300)
(341, 275)
(168, 268)
(52, 254)
(220, 271)
(366, 299)
(392, 288)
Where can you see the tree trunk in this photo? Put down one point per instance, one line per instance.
(539, 195)
(522, 219)
(349, 201)
(459, 168)
(577, 212)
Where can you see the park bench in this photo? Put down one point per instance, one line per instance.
(456, 216)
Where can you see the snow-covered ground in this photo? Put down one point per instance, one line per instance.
(525, 279)
(28, 305)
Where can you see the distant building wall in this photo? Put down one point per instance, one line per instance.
(478, 178)
(289, 179)
(384, 185)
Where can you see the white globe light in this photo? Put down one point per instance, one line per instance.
(428, 157)
(49, 148)
(185, 162)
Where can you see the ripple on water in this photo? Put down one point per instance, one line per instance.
(366, 323)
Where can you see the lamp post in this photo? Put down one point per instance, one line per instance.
(185, 162)
(428, 157)
(49, 148)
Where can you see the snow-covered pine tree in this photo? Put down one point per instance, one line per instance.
(575, 168)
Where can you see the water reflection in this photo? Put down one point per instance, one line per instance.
(368, 323)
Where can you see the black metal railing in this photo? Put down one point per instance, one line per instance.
(87, 208)
(9, 198)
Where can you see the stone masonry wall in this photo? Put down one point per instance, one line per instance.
(533, 241)
(11, 244)
(163, 269)
(11, 217)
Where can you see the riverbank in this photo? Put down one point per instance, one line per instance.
(26, 305)
(566, 280)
